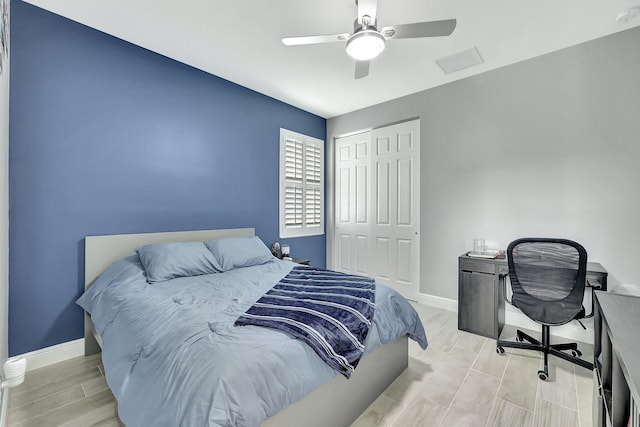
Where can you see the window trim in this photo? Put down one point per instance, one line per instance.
(302, 184)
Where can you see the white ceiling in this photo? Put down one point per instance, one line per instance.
(240, 40)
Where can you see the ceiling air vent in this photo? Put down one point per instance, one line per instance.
(460, 61)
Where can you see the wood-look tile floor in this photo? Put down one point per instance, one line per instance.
(458, 381)
(73, 393)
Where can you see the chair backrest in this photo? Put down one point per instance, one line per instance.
(547, 278)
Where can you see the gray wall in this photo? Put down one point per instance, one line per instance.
(545, 147)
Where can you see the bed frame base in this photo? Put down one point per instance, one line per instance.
(340, 401)
(92, 341)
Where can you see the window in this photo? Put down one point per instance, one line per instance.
(301, 185)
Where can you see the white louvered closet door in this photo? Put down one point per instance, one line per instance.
(377, 206)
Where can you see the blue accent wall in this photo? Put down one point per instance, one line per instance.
(109, 138)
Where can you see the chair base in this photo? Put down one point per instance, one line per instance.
(546, 349)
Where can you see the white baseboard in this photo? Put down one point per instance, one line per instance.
(514, 317)
(439, 302)
(54, 354)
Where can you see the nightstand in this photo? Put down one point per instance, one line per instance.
(301, 261)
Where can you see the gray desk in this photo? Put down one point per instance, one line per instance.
(481, 293)
(617, 364)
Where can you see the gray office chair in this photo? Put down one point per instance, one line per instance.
(548, 279)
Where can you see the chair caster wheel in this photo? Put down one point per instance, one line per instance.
(576, 353)
(542, 375)
(499, 350)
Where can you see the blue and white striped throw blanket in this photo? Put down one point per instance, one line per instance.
(328, 310)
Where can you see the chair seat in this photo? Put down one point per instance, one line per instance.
(553, 316)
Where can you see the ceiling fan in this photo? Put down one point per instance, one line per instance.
(366, 42)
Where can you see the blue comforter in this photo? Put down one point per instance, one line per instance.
(172, 356)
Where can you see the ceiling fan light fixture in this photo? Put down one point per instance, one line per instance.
(365, 44)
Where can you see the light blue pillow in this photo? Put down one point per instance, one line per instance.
(165, 261)
(237, 252)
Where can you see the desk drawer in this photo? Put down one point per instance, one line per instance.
(477, 266)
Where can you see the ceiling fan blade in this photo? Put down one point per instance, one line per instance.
(367, 7)
(419, 29)
(329, 38)
(362, 69)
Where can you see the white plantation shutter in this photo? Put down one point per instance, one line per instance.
(301, 185)
(313, 206)
(293, 206)
(313, 164)
(293, 159)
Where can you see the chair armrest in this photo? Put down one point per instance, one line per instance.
(504, 289)
(595, 285)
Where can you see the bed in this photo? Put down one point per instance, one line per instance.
(346, 398)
